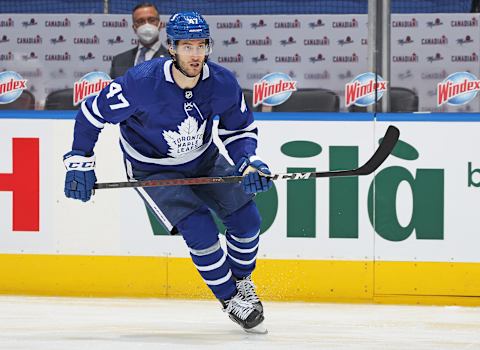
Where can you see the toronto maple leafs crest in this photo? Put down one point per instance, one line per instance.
(188, 138)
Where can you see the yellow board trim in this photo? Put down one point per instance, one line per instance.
(287, 280)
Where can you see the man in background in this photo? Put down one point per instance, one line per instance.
(146, 24)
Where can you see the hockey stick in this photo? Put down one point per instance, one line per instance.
(382, 152)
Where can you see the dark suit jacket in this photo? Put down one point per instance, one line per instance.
(123, 61)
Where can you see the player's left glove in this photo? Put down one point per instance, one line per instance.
(80, 177)
(252, 181)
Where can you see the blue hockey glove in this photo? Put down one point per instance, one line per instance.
(80, 177)
(252, 181)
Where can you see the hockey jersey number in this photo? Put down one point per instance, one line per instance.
(116, 89)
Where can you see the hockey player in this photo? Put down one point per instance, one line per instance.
(165, 108)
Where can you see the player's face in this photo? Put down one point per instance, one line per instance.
(190, 55)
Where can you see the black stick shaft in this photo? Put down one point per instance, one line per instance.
(382, 152)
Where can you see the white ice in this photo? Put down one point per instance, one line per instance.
(42, 323)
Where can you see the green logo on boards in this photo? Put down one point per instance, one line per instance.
(344, 202)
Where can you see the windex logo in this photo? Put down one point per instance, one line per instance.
(466, 40)
(346, 41)
(457, 89)
(58, 40)
(317, 58)
(117, 40)
(30, 23)
(413, 58)
(87, 57)
(407, 40)
(65, 23)
(260, 58)
(345, 24)
(260, 24)
(87, 23)
(115, 24)
(437, 22)
(31, 56)
(229, 25)
(288, 41)
(316, 24)
(231, 41)
(443, 40)
(11, 86)
(4, 39)
(30, 40)
(317, 42)
(361, 91)
(259, 42)
(288, 25)
(412, 23)
(7, 23)
(273, 89)
(465, 58)
(437, 57)
(94, 40)
(465, 22)
(230, 59)
(89, 85)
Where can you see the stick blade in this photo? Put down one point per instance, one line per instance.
(383, 151)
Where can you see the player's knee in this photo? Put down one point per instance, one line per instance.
(199, 229)
(245, 221)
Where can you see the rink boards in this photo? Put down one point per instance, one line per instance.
(409, 233)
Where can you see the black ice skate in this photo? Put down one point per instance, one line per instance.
(246, 288)
(245, 314)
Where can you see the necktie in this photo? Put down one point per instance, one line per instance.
(141, 57)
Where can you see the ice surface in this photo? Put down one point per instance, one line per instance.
(37, 323)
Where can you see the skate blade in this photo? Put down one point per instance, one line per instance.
(259, 329)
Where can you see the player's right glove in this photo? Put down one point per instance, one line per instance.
(80, 177)
(252, 181)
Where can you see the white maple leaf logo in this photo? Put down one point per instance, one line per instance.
(188, 138)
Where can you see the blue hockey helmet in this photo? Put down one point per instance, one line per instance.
(187, 25)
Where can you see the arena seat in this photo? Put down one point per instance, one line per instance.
(60, 100)
(309, 100)
(25, 101)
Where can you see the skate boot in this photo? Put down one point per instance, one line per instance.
(245, 314)
(246, 288)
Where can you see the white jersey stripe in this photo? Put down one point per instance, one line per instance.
(90, 117)
(240, 250)
(220, 280)
(155, 208)
(241, 136)
(251, 127)
(243, 262)
(214, 266)
(95, 108)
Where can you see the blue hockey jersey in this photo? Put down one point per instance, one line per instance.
(163, 126)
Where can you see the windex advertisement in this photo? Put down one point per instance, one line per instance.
(53, 52)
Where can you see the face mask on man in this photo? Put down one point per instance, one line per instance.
(147, 33)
